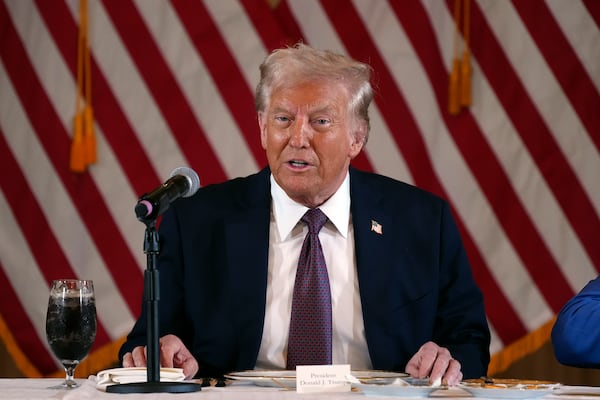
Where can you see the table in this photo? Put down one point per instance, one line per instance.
(38, 389)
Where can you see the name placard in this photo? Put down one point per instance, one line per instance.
(322, 378)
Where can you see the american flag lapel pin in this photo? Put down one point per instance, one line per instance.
(376, 227)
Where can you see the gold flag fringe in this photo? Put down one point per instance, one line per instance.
(525, 346)
(459, 81)
(83, 145)
(19, 358)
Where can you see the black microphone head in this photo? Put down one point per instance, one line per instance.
(192, 178)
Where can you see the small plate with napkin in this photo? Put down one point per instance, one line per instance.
(136, 374)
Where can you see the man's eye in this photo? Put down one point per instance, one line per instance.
(321, 121)
(282, 119)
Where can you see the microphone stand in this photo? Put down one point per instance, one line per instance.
(151, 297)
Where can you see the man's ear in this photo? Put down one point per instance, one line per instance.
(359, 138)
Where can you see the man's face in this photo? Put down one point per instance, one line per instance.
(307, 134)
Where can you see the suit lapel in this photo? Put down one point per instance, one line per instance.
(246, 234)
(373, 248)
(372, 245)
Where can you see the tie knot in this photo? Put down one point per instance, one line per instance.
(315, 219)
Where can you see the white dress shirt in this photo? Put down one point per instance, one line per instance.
(286, 236)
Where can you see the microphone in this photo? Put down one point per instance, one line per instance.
(184, 182)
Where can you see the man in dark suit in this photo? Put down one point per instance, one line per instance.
(402, 293)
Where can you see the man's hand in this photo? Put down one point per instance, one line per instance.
(173, 354)
(437, 363)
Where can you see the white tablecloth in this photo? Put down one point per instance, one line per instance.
(37, 389)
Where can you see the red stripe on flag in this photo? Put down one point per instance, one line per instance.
(288, 22)
(593, 7)
(269, 29)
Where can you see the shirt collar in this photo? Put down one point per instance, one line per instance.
(287, 212)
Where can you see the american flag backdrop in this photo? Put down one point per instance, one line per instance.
(172, 85)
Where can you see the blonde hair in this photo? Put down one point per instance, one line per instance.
(301, 62)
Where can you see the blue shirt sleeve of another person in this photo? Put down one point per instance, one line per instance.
(576, 332)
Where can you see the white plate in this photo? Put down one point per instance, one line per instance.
(283, 378)
(266, 377)
(510, 389)
(566, 390)
(415, 388)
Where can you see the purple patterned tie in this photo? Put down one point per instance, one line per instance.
(310, 324)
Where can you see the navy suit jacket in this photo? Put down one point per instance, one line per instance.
(414, 279)
(576, 331)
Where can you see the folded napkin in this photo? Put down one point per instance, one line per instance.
(137, 374)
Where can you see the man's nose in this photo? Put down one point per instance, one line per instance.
(300, 133)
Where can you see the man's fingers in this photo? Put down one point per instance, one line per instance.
(168, 350)
(128, 360)
(436, 363)
(137, 358)
(421, 364)
(189, 365)
(173, 353)
(453, 375)
(440, 364)
(446, 371)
